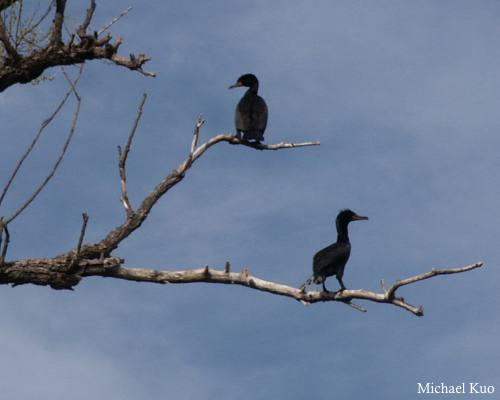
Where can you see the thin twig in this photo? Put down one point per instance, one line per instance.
(20, 19)
(4, 38)
(61, 156)
(355, 306)
(74, 264)
(42, 18)
(277, 146)
(35, 140)
(1, 236)
(73, 84)
(6, 243)
(392, 290)
(196, 133)
(82, 234)
(123, 160)
(82, 29)
(114, 21)
(1, 230)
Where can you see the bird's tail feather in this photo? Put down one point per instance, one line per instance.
(253, 134)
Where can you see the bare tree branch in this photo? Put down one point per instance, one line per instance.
(4, 38)
(56, 272)
(82, 234)
(244, 278)
(68, 269)
(61, 156)
(277, 146)
(32, 26)
(135, 220)
(196, 136)
(133, 63)
(114, 21)
(123, 160)
(27, 67)
(42, 128)
(3, 228)
(56, 39)
(82, 30)
(392, 290)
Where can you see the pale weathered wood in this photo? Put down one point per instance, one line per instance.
(55, 273)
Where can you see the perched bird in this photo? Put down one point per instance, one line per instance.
(332, 259)
(251, 111)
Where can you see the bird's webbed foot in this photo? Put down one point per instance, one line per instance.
(236, 139)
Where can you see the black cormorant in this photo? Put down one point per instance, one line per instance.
(251, 111)
(332, 259)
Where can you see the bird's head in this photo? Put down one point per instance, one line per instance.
(247, 80)
(347, 216)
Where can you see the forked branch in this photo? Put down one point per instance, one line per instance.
(244, 278)
(26, 66)
(67, 270)
(123, 160)
(136, 218)
(392, 290)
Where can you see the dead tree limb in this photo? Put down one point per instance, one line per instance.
(82, 30)
(114, 21)
(59, 160)
(59, 272)
(245, 279)
(56, 39)
(37, 136)
(123, 160)
(54, 272)
(82, 233)
(54, 169)
(392, 290)
(4, 38)
(68, 269)
(3, 228)
(135, 220)
(23, 68)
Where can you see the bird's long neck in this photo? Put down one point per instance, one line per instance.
(342, 233)
(252, 89)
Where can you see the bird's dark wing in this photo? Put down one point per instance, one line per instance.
(251, 117)
(331, 260)
(259, 114)
(242, 116)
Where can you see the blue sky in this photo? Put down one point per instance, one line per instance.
(404, 97)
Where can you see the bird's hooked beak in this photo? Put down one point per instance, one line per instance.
(357, 217)
(237, 84)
